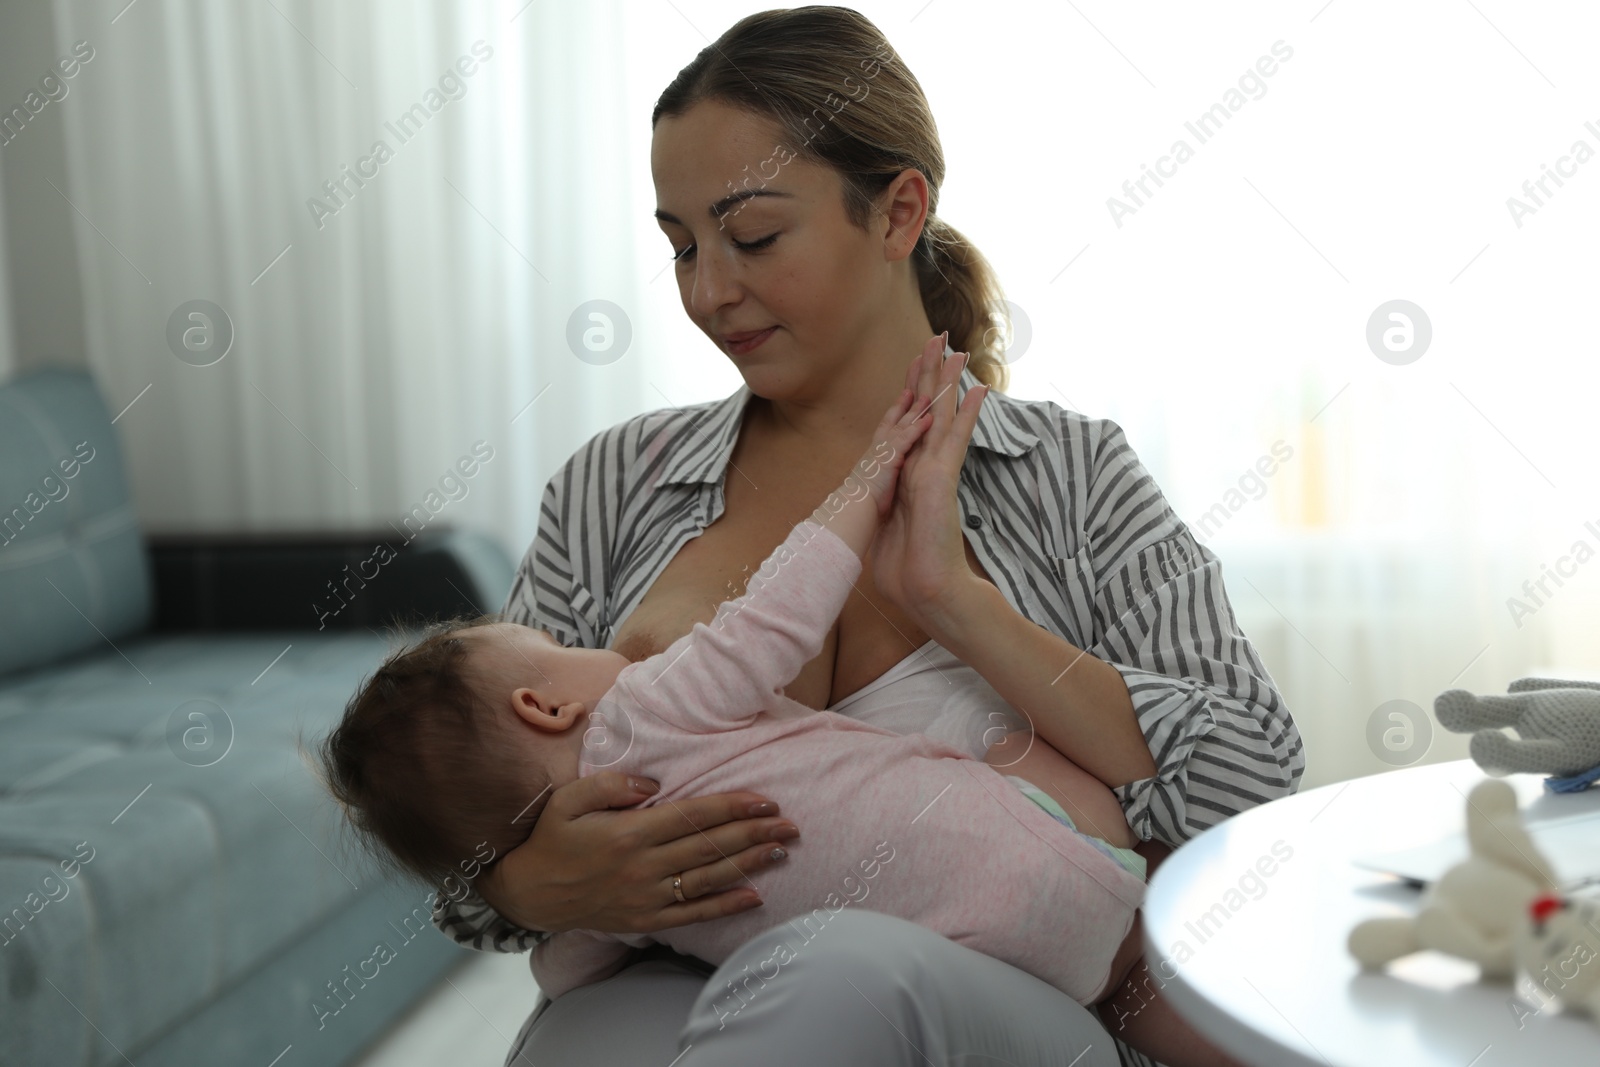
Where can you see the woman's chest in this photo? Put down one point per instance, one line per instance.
(870, 636)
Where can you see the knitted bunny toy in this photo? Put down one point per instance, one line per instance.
(1557, 724)
(1476, 907)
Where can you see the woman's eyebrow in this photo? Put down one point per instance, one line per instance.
(718, 209)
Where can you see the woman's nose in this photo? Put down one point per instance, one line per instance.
(715, 283)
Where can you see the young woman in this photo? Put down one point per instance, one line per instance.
(797, 171)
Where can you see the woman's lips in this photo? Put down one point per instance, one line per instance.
(747, 342)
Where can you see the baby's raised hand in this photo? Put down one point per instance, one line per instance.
(892, 442)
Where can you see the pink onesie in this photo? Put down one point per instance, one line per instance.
(897, 823)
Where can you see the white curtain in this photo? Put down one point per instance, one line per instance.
(1223, 319)
(375, 345)
(7, 355)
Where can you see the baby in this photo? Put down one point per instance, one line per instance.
(460, 739)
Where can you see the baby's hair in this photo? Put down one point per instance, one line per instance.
(421, 762)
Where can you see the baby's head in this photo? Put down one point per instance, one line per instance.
(459, 738)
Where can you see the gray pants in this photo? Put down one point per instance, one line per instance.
(866, 988)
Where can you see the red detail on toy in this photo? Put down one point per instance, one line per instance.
(1542, 906)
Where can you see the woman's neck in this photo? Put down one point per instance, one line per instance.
(845, 408)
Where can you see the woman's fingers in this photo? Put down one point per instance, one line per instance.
(702, 831)
(967, 415)
(704, 860)
(710, 827)
(678, 820)
(597, 792)
(725, 873)
(715, 865)
(950, 441)
(703, 905)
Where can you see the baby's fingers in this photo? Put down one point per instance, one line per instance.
(904, 435)
(898, 410)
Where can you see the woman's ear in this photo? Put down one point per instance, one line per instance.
(534, 710)
(906, 211)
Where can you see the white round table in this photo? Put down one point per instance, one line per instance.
(1249, 944)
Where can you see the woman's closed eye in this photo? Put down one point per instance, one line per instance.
(754, 246)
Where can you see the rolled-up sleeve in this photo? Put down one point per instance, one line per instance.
(468, 920)
(1217, 727)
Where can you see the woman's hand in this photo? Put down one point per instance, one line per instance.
(919, 557)
(586, 866)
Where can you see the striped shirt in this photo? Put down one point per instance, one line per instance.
(1065, 519)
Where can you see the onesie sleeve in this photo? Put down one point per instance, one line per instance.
(718, 676)
(1222, 739)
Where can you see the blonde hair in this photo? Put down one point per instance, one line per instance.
(830, 67)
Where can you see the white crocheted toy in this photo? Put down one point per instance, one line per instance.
(1475, 908)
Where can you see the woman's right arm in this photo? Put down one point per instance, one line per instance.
(587, 865)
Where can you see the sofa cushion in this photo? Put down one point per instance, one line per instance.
(173, 777)
(73, 572)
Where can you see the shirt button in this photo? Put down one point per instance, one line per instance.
(974, 521)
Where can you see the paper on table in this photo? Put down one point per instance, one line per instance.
(1571, 843)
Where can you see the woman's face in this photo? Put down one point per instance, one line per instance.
(785, 260)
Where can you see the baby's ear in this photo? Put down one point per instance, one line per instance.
(540, 713)
(525, 703)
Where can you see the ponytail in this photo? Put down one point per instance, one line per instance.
(962, 294)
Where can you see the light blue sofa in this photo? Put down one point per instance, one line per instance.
(175, 889)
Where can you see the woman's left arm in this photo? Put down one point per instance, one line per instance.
(1221, 735)
(1170, 706)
